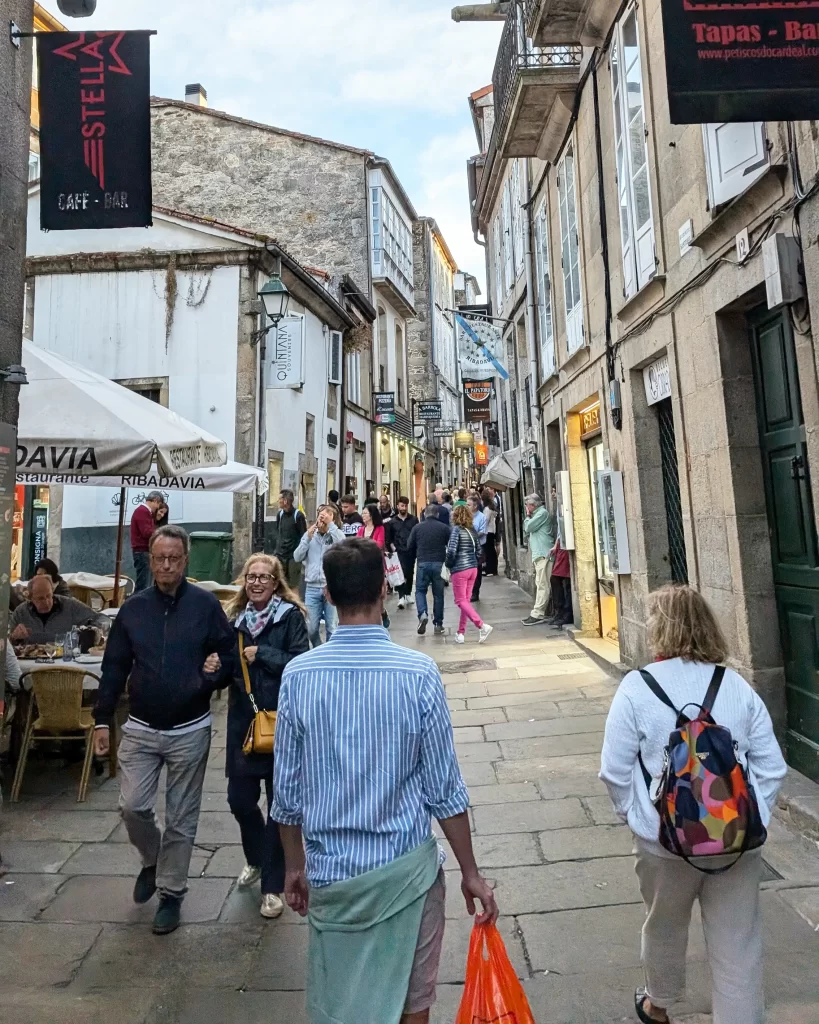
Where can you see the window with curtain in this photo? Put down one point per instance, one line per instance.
(636, 221)
(544, 291)
(570, 250)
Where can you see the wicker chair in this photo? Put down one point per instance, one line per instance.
(93, 598)
(61, 716)
(126, 587)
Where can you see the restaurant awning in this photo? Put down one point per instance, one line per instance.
(234, 477)
(503, 471)
(73, 421)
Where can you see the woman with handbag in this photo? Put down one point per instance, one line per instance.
(462, 562)
(271, 630)
(373, 529)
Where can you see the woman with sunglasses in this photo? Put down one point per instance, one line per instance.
(271, 630)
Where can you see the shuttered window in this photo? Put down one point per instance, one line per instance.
(544, 292)
(570, 251)
(736, 155)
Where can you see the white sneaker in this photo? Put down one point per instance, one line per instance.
(483, 636)
(459, 638)
(271, 906)
(248, 876)
(402, 603)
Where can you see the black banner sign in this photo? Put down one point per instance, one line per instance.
(429, 410)
(384, 407)
(476, 401)
(95, 130)
(742, 60)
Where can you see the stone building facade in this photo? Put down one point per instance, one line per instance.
(679, 414)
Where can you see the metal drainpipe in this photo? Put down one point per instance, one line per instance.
(531, 332)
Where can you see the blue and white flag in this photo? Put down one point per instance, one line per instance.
(480, 347)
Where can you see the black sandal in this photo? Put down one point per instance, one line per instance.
(639, 1001)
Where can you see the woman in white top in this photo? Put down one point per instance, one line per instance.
(687, 644)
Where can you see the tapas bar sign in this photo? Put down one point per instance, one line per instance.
(95, 130)
(742, 60)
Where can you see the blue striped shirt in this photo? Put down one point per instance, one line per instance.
(364, 753)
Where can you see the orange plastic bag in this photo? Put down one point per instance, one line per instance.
(493, 994)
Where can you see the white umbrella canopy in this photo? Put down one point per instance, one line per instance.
(235, 477)
(73, 421)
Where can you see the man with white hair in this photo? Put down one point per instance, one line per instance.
(539, 527)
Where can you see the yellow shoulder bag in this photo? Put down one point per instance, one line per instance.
(262, 731)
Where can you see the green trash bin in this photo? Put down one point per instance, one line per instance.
(211, 556)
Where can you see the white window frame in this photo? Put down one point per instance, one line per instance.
(508, 243)
(736, 155)
(631, 150)
(569, 256)
(353, 375)
(498, 233)
(334, 374)
(517, 219)
(544, 292)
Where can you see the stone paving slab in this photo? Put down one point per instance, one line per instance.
(279, 961)
(479, 773)
(194, 1005)
(601, 810)
(456, 947)
(487, 716)
(806, 903)
(547, 769)
(514, 792)
(23, 897)
(117, 859)
(212, 956)
(566, 886)
(242, 907)
(59, 826)
(37, 857)
(552, 746)
(503, 851)
(504, 819)
(97, 898)
(468, 734)
(226, 862)
(519, 698)
(551, 727)
(583, 843)
(65, 1006)
(470, 753)
(47, 955)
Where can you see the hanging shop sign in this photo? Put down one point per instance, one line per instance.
(384, 407)
(590, 421)
(429, 410)
(481, 453)
(480, 347)
(285, 346)
(95, 130)
(742, 60)
(444, 430)
(657, 380)
(477, 395)
(464, 439)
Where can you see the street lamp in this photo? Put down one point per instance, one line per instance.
(275, 298)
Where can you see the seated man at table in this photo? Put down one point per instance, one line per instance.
(47, 616)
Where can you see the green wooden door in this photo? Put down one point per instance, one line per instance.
(792, 529)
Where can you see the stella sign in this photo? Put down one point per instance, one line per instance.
(742, 60)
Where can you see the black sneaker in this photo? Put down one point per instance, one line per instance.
(166, 919)
(145, 885)
(439, 631)
(532, 620)
(422, 625)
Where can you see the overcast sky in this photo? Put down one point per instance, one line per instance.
(392, 76)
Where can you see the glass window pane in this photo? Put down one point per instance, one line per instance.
(642, 203)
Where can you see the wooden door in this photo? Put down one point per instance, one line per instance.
(792, 529)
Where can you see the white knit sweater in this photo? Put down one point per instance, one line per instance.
(639, 722)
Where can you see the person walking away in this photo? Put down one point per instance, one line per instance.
(351, 519)
(158, 646)
(479, 524)
(398, 531)
(385, 508)
(444, 512)
(427, 544)
(561, 581)
(688, 647)
(373, 529)
(269, 620)
(312, 548)
(461, 498)
(490, 552)
(291, 526)
(362, 861)
(333, 499)
(462, 562)
(540, 528)
(143, 524)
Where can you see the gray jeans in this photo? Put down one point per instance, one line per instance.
(142, 755)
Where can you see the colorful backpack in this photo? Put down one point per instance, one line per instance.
(707, 805)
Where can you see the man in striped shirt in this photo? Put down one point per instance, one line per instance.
(364, 759)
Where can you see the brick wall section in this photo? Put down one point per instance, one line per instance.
(311, 196)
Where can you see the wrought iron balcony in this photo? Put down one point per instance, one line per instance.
(570, 21)
(534, 90)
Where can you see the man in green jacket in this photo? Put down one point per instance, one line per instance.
(540, 527)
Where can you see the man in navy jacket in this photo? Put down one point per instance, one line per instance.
(158, 646)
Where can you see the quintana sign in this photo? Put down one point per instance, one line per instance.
(480, 347)
(95, 130)
(285, 347)
(742, 60)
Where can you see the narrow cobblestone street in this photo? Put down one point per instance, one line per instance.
(528, 709)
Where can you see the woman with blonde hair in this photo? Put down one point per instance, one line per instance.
(269, 619)
(689, 648)
(462, 562)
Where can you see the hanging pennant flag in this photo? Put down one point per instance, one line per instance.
(480, 347)
(95, 130)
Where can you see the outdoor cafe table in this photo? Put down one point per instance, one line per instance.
(90, 682)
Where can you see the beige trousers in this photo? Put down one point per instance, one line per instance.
(543, 572)
(729, 904)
